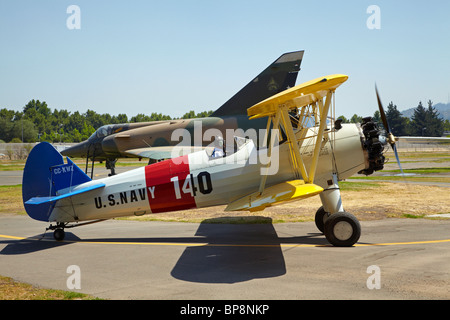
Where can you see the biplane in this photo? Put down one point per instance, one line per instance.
(306, 153)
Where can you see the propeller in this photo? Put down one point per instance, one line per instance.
(390, 137)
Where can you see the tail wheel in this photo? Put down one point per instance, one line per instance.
(59, 234)
(342, 229)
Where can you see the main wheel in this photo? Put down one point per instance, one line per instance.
(320, 218)
(59, 234)
(342, 229)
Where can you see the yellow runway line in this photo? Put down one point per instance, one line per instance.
(230, 245)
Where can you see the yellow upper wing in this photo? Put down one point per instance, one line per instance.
(298, 96)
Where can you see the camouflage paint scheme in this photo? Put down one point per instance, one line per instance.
(115, 141)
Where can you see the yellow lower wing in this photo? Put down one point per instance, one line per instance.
(286, 191)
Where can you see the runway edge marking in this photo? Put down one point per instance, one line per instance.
(228, 245)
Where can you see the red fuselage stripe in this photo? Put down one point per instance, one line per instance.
(165, 181)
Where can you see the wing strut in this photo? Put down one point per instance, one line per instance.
(314, 99)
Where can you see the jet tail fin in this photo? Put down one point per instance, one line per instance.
(279, 76)
(46, 179)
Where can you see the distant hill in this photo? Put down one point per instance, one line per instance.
(443, 109)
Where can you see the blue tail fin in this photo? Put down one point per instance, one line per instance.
(46, 179)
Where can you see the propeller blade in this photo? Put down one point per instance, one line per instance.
(398, 160)
(390, 136)
(382, 114)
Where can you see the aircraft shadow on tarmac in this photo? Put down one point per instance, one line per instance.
(235, 253)
(226, 253)
(34, 244)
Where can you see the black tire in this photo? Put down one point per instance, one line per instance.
(59, 234)
(320, 218)
(342, 229)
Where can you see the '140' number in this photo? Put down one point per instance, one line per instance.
(203, 181)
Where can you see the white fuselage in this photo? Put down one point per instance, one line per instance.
(197, 180)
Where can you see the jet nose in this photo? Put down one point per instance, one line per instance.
(109, 145)
(78, 150)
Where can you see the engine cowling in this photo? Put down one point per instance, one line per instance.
(373, 144)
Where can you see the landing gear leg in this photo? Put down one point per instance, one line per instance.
(341, 228)
(111, 165)
(59, 233)
(331, 203)
(331, 197)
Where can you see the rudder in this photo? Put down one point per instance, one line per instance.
(279, 76)
(45, 175)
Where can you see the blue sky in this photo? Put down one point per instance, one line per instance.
(174, 56)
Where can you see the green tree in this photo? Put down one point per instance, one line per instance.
(204, 114)
(108, 119)
(191, 114)
(52, 126)
(377, 118)
(418, 121)
(5, 129)
(344, 119)
(38, 107)
(355, 118)
(122, 118)
(86, 131)
(159, 117)
(76, 121)
(397, 123)
(76, 136)
(435, 123)
(24, 128)
(447, 125)
(93, 119)
(140, 117)
(427, 121)
(7, 114)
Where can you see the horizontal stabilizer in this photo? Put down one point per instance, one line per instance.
(286, 191)
(41, 200)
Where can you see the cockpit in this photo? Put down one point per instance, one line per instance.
(105, 131)
(219, 149)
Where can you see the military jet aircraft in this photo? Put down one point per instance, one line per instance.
(310, 158)
(153, 140)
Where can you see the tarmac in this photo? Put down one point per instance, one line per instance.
(394, 259)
